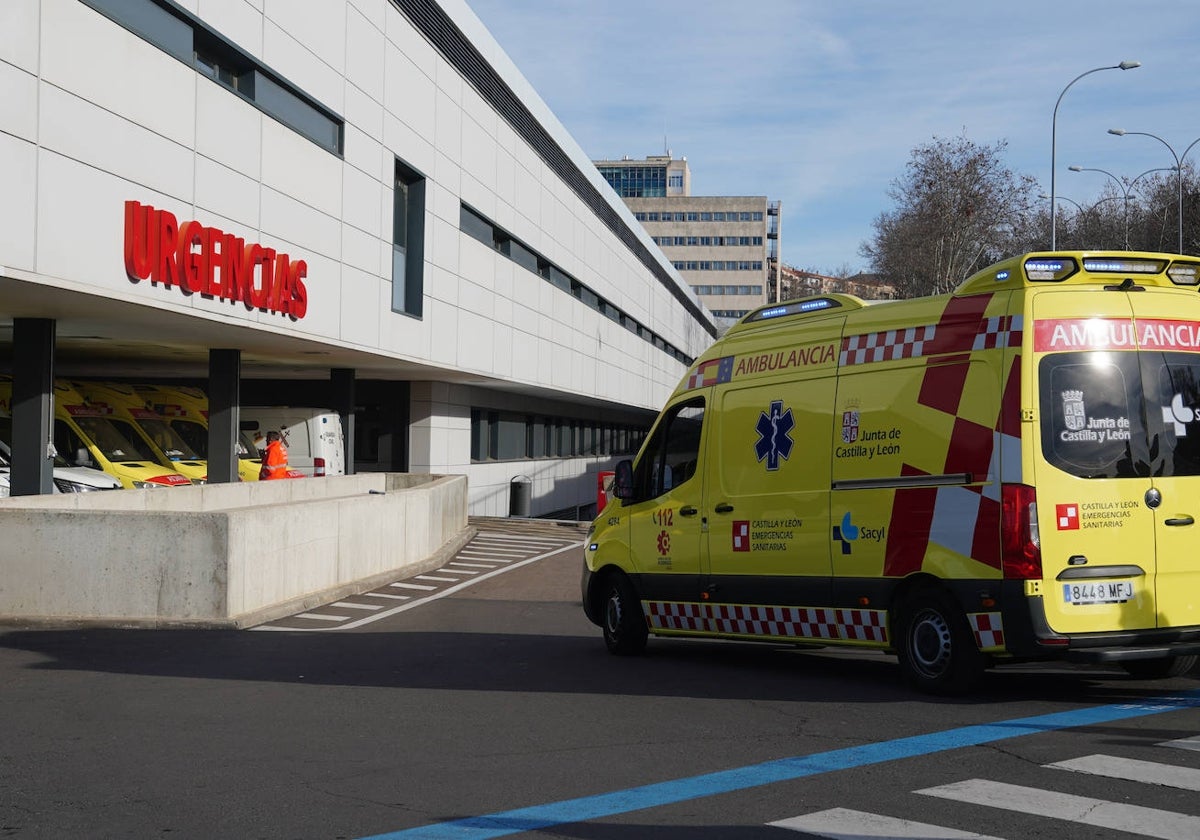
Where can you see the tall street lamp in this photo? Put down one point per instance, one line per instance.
(1126, 189)
(1120, 132)
(1124, 65)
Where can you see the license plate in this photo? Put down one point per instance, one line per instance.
(1098, 592)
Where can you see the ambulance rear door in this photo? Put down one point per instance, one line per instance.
(1092, 479)
(1169, 346)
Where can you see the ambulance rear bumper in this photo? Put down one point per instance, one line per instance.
(1029, 635)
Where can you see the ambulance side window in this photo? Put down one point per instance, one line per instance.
(672, 453)
(1091, 415)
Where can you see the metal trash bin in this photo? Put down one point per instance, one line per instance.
(520, 496)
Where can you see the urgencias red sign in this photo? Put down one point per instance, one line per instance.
(206, 261)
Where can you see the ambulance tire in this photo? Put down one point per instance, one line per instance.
(1158, 669)
(936, 647)
(624, 626)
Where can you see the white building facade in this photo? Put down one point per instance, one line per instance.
(350, 203)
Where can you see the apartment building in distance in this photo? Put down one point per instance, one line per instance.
(797, 283)
(727, 248)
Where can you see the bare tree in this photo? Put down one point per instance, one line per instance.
(958, 209)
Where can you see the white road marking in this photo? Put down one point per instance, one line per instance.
(846, 824)
(319, 617)
(1150, 772)
(1134, 820)
(1183, 744)
(386, 595)
(447, 571)
(422, 587)
(438, 579)
(477, 565)
(354, 606)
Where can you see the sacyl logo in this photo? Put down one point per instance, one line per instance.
(845, 533)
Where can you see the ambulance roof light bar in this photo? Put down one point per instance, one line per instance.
(793, 307)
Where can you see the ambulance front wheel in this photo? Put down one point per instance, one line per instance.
(936, 647)
(624, 625)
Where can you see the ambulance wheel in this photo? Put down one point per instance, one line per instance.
(1157, 669)
(936, 648)
(624, 625)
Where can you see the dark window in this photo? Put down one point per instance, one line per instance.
(672, 454)
(408, 241)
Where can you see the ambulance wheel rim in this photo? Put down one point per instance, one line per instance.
(614, 612)
(930, 642)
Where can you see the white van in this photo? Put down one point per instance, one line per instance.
(67, 479)
(313, 436)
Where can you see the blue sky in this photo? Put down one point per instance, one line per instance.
(819, 104)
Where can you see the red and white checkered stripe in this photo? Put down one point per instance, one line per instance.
(989, 630)
(664, 615)
(998, 332)
(777, 622)
(886, 346)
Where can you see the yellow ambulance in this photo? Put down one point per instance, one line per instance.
(1010, 472)
(85, 436)
(128, 413)
(185, 409)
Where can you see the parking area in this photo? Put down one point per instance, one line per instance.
(498, 546)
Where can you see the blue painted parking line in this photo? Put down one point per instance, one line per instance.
(537, 817)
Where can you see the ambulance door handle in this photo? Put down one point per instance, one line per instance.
(688, 510)
(1179, 520)
(724, 507)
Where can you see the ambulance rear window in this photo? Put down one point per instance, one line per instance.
(1091, 414)
(1176, 377)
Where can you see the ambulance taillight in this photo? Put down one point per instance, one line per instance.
(1021, 544)
(318, 467)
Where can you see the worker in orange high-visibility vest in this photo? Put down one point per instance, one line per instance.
(275, 459)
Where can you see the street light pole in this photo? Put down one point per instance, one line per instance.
(1126, 190)
(1124, 65)
(1120, 132)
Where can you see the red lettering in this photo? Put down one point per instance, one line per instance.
(299, 304)
(190, 235)
(139, 234)
(165, 270)
(209, 261)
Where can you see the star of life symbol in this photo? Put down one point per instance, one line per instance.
(1074, 414)
(1179, 414)
(774, 435)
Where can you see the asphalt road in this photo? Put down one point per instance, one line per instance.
(487, 706)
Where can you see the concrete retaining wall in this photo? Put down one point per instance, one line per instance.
(221, 554)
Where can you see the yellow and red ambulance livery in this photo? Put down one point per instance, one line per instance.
(1009, 472)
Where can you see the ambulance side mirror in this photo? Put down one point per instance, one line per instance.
(622, 486)
(83, 458)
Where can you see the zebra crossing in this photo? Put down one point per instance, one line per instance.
(1125, 817)
(492, 551)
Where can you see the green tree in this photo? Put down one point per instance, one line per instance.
(958, 209)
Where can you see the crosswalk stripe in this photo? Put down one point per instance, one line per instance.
(1183, 743)
(1134, 820)
(353, 606)
(386, 595)
(438, 579)
(447, 570)
(319, 617)
(847, 824)
(413, 586)
(1129, 769)
(476, 565)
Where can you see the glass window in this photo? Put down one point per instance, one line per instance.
(1176, 401)
(693, 217)
(408, 241)
(672, 454)
(718, 217)
(1091, 407)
